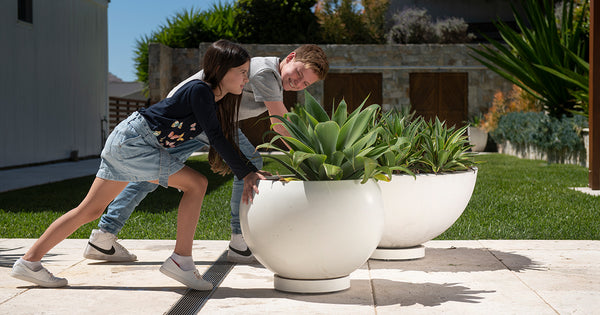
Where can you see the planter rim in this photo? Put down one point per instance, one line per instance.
(277, 178)
(471, 169)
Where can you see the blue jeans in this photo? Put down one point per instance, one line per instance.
(121, 208)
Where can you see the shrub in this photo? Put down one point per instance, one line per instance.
(453, 30)
(517, 100)
(415, 26)
(412, 26)
(558, 138)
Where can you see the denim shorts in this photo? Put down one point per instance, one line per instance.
(132, 154)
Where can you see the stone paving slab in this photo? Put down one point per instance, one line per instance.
(455, 277)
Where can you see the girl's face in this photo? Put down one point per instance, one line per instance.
(234, 80)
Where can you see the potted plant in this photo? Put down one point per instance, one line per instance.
(477, 135)
(313, 230)
(434, 177)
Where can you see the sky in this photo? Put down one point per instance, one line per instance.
(129, 20)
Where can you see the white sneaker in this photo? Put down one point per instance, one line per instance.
(191, 278)
(42, 277)
(239, 252)
(103, 246)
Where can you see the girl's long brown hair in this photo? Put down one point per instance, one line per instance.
(221, 56)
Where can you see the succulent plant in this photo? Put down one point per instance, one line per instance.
(337, 147)
(418, 146)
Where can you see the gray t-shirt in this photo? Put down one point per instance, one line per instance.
(265, 85)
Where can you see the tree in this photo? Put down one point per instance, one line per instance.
(187, 29)
(349, 22)
(276, 21)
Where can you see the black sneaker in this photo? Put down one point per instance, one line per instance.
(239, 252)
(104, 246)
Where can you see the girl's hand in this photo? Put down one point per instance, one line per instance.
(250, 186)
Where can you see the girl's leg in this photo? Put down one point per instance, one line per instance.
(99, 196)
(193, 185)
(180, 266)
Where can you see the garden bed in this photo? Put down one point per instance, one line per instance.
(533, 153)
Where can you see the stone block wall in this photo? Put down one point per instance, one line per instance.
(169, 66)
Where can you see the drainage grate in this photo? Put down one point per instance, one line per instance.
(194, 300)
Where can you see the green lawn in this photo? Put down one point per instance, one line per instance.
(513, 199)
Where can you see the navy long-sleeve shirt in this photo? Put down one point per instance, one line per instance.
(187, 114)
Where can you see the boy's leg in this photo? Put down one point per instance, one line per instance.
(103, 242)
(121, 208)
(238, 250)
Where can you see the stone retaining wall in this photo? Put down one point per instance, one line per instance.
(169, 66)
(532, 153)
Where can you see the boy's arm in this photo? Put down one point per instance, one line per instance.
(279, 109)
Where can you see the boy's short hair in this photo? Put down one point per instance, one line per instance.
(314, 58)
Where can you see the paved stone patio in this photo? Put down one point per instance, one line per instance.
(455, 277)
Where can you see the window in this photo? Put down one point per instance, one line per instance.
(25, 10)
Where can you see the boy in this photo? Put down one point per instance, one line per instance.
(269, 77)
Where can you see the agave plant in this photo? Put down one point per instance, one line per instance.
(417, 146)
(340, 147)
(401, 133)
(444, 149)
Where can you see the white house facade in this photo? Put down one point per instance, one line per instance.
(53, 82)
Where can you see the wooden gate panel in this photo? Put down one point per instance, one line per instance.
(353, 88)
(441, 94)
(255, 128)
(424, 94)
(453, 98)
(335, 88)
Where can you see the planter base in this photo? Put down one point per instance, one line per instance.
(311, 286)
(408, 253)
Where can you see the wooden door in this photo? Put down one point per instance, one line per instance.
(255, 128)
(441, 94)
(352, 87)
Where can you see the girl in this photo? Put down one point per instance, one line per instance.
(135, 151)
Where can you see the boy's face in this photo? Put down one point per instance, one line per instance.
(295, 75)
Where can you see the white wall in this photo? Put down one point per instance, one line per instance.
(53, 82)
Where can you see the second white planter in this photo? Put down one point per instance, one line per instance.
(477, 138)
(419, 209)
(312, 235)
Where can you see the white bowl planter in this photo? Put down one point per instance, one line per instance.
(418, 210)
(477, 138)
(313, 234)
